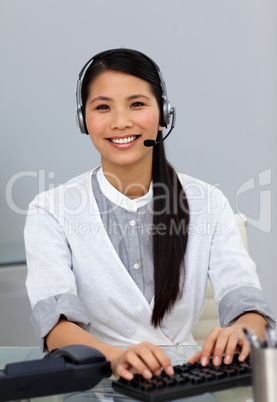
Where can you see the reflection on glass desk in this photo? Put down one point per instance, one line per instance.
(104, 392)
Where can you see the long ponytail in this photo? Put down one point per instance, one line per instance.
(170, 213)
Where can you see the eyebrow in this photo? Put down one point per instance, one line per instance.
(135, 96)
(106, 98)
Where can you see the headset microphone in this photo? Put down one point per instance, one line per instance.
(152, 143)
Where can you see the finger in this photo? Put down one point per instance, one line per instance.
(209, 345)
(226, 338)
(151, 357)
(131, 359)
(162, 359)
(195, 358)
(245, 350)
(147, 359)
(231, 348)
(121, 371)
(155, 358)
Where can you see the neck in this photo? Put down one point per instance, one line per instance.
(129, 180)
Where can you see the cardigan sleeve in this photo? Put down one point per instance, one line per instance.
(233, 273)
(51, 283)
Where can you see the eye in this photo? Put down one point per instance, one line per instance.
(102, 107)
(137, 104)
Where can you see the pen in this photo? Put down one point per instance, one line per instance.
(255, 340)
(270, 337)
(246, 333)
(252, 338)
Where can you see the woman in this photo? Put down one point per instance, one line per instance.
(120, 256)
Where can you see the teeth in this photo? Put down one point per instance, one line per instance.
(123, 140)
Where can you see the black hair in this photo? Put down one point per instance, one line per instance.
(170, 206)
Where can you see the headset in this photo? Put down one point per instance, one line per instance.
(167, 111)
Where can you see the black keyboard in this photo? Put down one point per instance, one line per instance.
(188, 380)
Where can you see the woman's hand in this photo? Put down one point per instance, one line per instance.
(144, 358)
(221, 343)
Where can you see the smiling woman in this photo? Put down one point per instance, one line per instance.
(118, 256)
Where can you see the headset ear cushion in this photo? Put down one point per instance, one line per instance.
(166, 111)
(80, 121)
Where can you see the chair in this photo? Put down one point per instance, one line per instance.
(209, 318)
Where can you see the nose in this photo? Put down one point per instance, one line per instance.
(121, 120)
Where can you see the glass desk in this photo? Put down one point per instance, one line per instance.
(104, 392)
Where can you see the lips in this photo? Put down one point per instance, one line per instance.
(126, 140)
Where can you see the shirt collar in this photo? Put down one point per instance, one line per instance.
(120, 199)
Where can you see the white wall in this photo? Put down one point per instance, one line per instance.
(219, 60)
